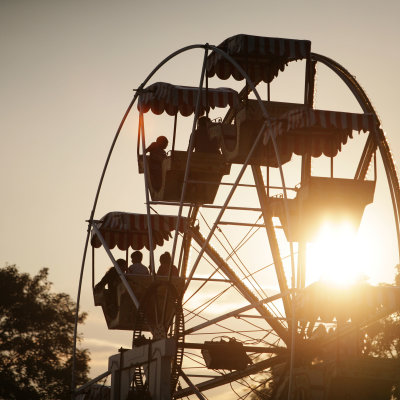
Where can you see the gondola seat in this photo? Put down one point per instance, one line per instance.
(321, 199)
(206, 172)
(123, 315)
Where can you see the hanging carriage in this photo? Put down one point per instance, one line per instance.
(130, 231)
(253, 133)
(262, 59)
(314, 133)
(206, 169)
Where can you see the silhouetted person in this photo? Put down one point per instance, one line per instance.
(202, 141)
(166, 264)
(203, 144)
(111, 279)
(157, 154)
(137, 267)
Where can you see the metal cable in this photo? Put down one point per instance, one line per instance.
(248, 272)
(223, 327)
(219, 241)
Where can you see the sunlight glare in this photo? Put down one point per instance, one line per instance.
(336, 255)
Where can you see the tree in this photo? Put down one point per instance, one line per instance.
(381, 340)
(36, 338)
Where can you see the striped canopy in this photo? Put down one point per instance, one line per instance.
(317, 132)
(126, 230)
(356, 302)
(163, 97)
(261, 57)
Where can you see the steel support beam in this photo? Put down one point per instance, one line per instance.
(233, 376)
(243, 289)
(233, 313)
(273, 242)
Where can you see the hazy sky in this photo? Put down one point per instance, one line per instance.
(67, 73)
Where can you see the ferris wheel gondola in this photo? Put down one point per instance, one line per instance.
(162, 97)
(219, 303)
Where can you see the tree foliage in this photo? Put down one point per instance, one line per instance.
(36, 338)
(381, 340)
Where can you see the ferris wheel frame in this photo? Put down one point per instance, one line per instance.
(376, 140)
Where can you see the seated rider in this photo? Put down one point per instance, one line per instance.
(156, 157)
(166, 265)
(202, 141)
(137, 268)
(111, 279)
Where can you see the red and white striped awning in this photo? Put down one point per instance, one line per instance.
(261, 57)
(317, 132)
(163, 97)
(358, 302)
(126, 230)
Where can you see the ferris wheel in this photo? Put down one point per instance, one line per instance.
(238, 315)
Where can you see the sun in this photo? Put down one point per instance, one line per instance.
(336, 255)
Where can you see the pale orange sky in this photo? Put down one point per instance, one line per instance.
(67, 73)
